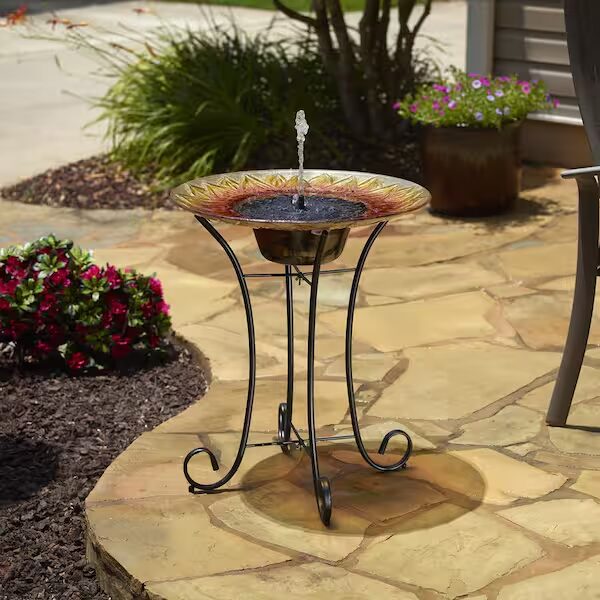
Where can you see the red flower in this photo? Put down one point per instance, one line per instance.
(112, 276)
(60, 278)
(106, 320)
(115, 307)
(121, 346)
(19, 274)
(4, 305)
(8, 287)
(155, 286)
(48, 303)
(14, 268)
(77, 361)
(147, 310)
(93, 271)
(153, 341)
(12, 263)
(162, 307)
(43, 347)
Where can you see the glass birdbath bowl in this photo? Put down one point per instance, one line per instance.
(334, 202)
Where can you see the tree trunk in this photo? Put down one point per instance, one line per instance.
(369, 75)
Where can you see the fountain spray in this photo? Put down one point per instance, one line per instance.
(301, 131)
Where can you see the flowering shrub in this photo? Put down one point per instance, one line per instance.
(55, 303)
(470, 100)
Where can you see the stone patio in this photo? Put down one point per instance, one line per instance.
(457, 339)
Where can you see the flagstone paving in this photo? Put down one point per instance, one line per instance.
(458, 332)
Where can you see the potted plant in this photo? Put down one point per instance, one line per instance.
(470, 139)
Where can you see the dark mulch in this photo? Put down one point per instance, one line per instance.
(99, 182)
(95, 182)
(57, 436)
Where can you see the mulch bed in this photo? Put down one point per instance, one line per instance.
(58, 434)
(95, 182)
(99, 182)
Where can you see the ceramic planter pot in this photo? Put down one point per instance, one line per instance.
(471, 172)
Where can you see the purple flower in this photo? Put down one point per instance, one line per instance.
(476, 84)
(504, 78)
(555, 102)
(479, 116)
(491, 98)
(499, 112)
(526, 88)
(413, 108)
(436, 105)
(396, 105)
(458, 86)
(440, 88)
(446, 99)
(499, 93)
(486, 82)
(452, 104)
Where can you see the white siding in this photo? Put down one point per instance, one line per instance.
(530, 40)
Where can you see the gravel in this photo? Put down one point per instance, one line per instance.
(316, 208)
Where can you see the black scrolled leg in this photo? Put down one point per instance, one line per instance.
(321, 484)
(349, 379)
(207, 487)
(286, 428)
(286, 408)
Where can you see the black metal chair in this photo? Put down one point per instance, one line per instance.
(582, 18)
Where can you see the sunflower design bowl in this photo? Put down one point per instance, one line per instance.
(291, 236)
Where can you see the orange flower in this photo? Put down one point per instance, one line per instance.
(16, 17)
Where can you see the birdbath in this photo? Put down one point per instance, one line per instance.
(311, 232)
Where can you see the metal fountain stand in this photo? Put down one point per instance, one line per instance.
(207, 198)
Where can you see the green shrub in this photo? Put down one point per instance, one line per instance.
(214, 101)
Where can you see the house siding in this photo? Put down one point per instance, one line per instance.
(530, 40)
(528, 37)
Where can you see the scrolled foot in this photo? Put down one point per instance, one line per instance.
(194, 485)
(324, 500)
(402, 463)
